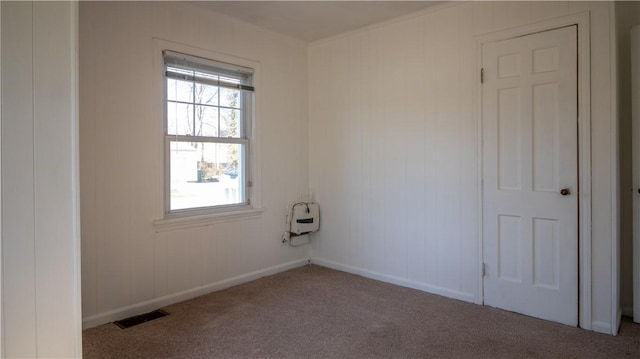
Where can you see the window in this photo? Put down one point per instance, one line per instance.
(207, 131)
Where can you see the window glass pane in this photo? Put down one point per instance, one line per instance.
(179, 119)
(206, 121)
(229, 123)
(206, 94)
(229, 98)
(178, 90)
(205, 174)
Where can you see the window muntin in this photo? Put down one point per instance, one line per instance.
(208, 107)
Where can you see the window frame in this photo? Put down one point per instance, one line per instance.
(251, 200)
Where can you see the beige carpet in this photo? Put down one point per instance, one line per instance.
(315, 312)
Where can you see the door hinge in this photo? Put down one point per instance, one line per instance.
(482, 75)
(484, 269)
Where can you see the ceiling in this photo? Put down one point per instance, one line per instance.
(314, 20)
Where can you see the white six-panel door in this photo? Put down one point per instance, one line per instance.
(530, 175)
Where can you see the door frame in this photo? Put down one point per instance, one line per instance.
(2, 354)
(635, 161)
(581, 20)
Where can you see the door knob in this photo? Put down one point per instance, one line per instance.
(565, 192)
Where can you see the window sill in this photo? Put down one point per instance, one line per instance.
(171, 224)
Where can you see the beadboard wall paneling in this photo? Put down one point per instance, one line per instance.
(127, 266)
(18, 232)
(40, 237)
(393, 144)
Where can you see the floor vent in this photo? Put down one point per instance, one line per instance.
(139, 319)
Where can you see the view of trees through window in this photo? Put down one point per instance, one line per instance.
(206, 140)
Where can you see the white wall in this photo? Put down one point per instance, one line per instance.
(627, 15)
(40, 237)
(127, 266)
(393, 148)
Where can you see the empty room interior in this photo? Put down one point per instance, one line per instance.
(320, 179)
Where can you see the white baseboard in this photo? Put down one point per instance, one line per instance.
(601, 327)
(618, 322)
(160, 302)
(395, 280)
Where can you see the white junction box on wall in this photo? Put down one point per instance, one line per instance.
(305, 218)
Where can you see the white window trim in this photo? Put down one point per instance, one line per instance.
(195, 218)
(170, 224)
